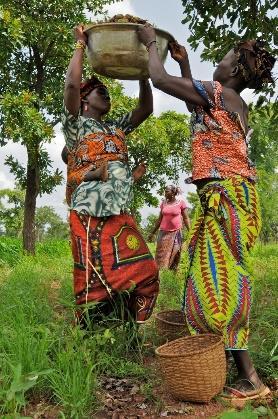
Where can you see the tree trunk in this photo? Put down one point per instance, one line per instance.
(32, 189)
(33, 175)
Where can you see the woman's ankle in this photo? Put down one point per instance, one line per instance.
(250, 376)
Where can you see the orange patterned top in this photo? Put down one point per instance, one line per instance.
(91, 152)
(219, 144)
(90, 143)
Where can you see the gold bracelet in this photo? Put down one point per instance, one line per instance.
(80, 45)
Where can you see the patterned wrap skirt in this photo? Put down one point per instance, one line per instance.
(168, 249)
(218, 289)
(111, 256)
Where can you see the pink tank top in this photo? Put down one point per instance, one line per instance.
(171, 215)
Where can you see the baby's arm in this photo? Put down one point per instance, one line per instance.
(101, 173)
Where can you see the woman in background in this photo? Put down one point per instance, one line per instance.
(169, 242)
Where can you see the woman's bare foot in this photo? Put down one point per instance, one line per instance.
(139, 171)
(247, 374)
(101, 173)
(251, 378)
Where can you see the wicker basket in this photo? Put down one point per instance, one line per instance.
(194, 367)
(170, 324)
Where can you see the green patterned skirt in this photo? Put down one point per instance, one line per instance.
(218, 288)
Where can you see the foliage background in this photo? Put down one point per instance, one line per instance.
(32, 54)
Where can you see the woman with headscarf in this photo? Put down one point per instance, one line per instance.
(219, 284)
(172, 215)
(110, 255)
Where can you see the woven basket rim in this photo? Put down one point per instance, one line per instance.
(167, 321)
(195, 352)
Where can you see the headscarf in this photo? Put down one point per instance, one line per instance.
(88, 85)
(255, 63)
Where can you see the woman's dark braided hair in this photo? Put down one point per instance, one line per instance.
(255, 63)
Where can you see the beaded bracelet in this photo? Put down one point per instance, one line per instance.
(80, 45)
(149, 44)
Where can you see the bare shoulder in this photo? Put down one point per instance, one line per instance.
(235, 103)
(245, 107)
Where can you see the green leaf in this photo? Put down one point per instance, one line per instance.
(244, 414)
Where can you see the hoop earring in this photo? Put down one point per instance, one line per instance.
(85, 107)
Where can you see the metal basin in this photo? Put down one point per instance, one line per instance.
(115, 51)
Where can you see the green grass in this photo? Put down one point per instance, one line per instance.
(264, 314)
(42, 352)
(171, 288)
(10, 251)
(44, 355)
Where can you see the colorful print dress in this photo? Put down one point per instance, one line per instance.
(110, 255)
(218, 288)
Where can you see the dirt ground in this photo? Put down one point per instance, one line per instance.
(128, 398)
(125, 401)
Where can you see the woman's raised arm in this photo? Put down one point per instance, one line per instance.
(179, 87)
(74, 73)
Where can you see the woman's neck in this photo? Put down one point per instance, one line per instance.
(234, 84)
(92, 113)
(171, 201)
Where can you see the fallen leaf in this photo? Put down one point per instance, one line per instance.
(142, 406)
(135, 389)
(261, 410)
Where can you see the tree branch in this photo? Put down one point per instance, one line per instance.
(47, 52)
